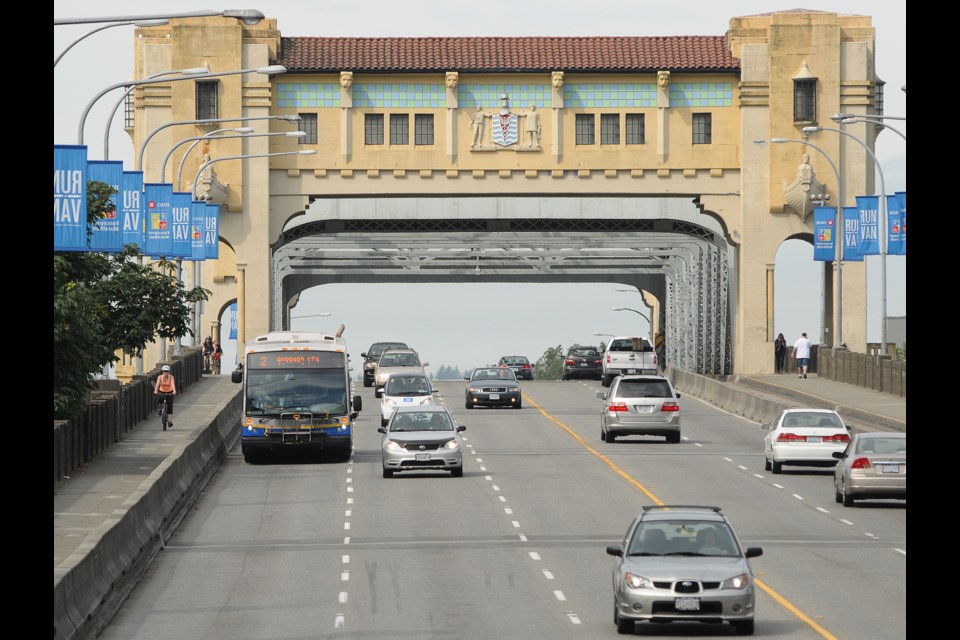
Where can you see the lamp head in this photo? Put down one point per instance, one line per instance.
(296, 134)
(151, 23)
(289, 118)
(243, 130)
(249, 17)
(808, 130)
(195, 71)
(272, 69)
(778, 140)
(839, 117)
(308, 152)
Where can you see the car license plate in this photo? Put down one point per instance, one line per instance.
(814, 439)
(584, 364)
(408, 399)
(631, 370)
(423, 457)
(643, 408)
(494, 396)
(687, 604)
(889, 468)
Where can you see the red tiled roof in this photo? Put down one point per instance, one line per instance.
(516, 54)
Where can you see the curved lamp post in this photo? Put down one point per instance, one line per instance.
(196, 141)
(838, 339)
(136, 83)
(247, 16)
(241, 308)
(143, 145)
(148, 23)
(869, 120)
(106, 133)
(883, 234)
(242, 134)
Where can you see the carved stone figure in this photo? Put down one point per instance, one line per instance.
(453, 78)
(532, 127)
(797, 194)
(346, 79)
(663, 79)
(557, 78)
(477, 126)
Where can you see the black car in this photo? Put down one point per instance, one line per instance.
(520, 364)
(492, 387)
(372, 355)
(583, 362)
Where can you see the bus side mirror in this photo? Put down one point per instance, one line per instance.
(236, 375)
(357, 404)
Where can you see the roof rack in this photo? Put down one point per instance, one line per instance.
(648, 507)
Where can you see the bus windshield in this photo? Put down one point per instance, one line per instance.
(273, 391)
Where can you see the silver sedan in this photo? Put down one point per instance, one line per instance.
(873, 466)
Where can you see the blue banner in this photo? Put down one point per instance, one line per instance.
(69, 197)
(894, 237)
(158, 200)
(182, 211)
(211, 235)
(868, 210)
(107, 236)
(851, 235)
(824, 234)
(198, 214)
(902, 198)
(233, 321)
(131, 198)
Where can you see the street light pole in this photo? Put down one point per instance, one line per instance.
(838, 338)
(247, 16)
(244, 132)
(883, 234)
(149, 23)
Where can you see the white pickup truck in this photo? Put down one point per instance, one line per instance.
(626, 355)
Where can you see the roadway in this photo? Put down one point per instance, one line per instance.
(514, 549)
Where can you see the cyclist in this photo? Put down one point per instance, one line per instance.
(167, 386)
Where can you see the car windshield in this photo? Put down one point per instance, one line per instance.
(378, 349)
(493, 374)
(882, 445)
(407, 386)
(799, 420)
(421, 421)
(644, 389)
(683, 538)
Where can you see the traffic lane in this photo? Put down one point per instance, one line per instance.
(673, 475)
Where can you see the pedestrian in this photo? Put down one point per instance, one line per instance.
(207, 354)
(801, 351)
(166, 385)
(217, 354)
(780, 352)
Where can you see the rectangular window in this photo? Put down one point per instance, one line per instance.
(129, 112)
(585, 129)
(636, 129)
(207, 107)
(805, 100)
(609, 128)
(308, 124)
(399, 128)
(373, 128)
(702, 128)
(423, 128)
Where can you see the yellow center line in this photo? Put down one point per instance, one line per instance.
(623, 474)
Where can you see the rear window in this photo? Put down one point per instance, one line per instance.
(644, 389)
(811, 421)
(583, 353)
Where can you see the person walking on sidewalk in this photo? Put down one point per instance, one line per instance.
(167, 386)
(780, 353)
(801, 351)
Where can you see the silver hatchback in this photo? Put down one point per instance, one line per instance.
(422, 438)
(640, 405)
(681, 563)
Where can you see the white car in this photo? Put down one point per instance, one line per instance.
(404, 390)
(805, 437)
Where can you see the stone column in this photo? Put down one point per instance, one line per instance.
(346, 104)
(453, 103)
(663, 111)
(241, 309)
(556, 135)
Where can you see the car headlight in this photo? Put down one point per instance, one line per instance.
(741, 581)
(428, 400)
(390, 445)
(472, 389)
(516, 389)
(390, 402)
(452, 444)
(634, 581)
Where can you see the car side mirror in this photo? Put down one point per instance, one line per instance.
(753, 552)
(838, 454)
(849, 427)
(425, 364)
(461, 427)
(766, 426)
(601, 395)
(380, 390)
(382, 429)
(615, 550)
(678, 395)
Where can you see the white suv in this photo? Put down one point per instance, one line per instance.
(396, 361)
(404, 390)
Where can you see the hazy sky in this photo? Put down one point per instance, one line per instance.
(468, 325)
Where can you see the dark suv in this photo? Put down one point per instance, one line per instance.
(583, 362)
(520, 364)
(372, 355)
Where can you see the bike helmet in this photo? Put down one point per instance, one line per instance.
(165, 367)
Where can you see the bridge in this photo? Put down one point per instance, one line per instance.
(622, 159)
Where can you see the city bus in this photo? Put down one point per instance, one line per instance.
(296, 395)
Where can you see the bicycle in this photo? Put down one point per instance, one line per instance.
(206, 362)
(162, 410)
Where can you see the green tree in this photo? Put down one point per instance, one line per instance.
(105, 303)
(550, 365)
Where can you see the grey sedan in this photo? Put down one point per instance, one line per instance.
(873, 466)
(422, 438)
